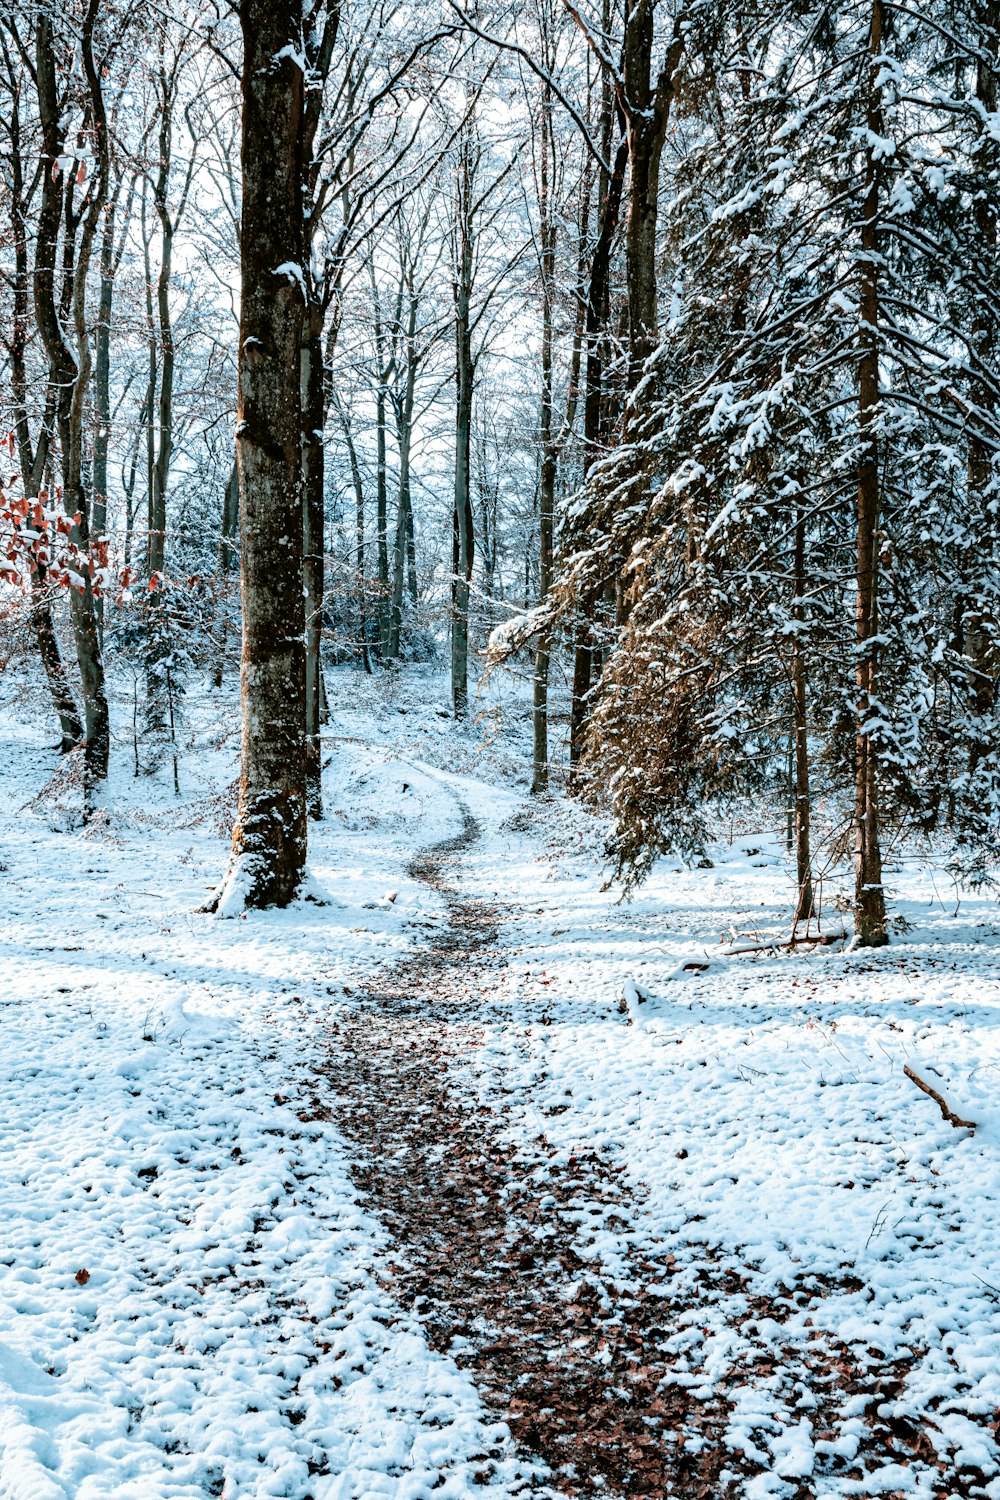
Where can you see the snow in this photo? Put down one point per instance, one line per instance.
(193, 1300)
(290, 269)
(761, 1112)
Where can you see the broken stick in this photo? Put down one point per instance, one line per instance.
(949, 1114)
(820, 939)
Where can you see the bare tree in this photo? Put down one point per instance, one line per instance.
(33, 452)
(269, 840)
(869, 896)
(61, 316)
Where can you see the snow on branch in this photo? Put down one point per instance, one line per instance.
(514, 634)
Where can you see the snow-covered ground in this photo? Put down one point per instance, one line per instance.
(192, 1300)
(190, 1297)
(761, 1110)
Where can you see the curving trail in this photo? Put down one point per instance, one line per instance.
(486, 1251)
(586, 1363)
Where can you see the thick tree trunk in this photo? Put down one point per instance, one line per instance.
(269, 840)
(313, 514)
(869, 896)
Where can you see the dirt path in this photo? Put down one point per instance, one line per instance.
(488, 1238)
(486, 1254)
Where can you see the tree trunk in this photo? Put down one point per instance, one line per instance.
(463, 526)
(585, 654)
(546, 520)
(34, 457)
(165, 412)
(69, 373)
(102, 382)
(153, 556)
(869, 896)
(70, 727)
(804, 906)
(382, 524)
(313, 513)
(464, 540)
(225, 567)
(976, 645)
(359, 535)
(269, 840)
(411, 552)
(404, 516)
(646, 107)
(399, 555)
(381, 485)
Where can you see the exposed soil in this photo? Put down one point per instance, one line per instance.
(486, 1257)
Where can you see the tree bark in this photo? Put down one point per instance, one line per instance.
(547, 487)
(869, 896)
(464, 540)
(269, 840)
(804, 906)
(586, 655)
(381, 492)
(153, 555)
(646, 105)
(225, 566)
(33, 456)
(462, 519)
(70, 373)
(109, 262)
(319, 38)
(404, 513)
(976, 644)
(313, 514)
(165, 409)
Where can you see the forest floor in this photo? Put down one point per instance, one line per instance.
(471, 1178)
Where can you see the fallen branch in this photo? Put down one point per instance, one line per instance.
(948, 1114)
(820, 939)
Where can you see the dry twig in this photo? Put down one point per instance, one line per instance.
(948, 1114)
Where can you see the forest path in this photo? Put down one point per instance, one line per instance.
(487, 1231)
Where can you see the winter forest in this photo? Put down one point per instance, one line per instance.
(499, 749)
